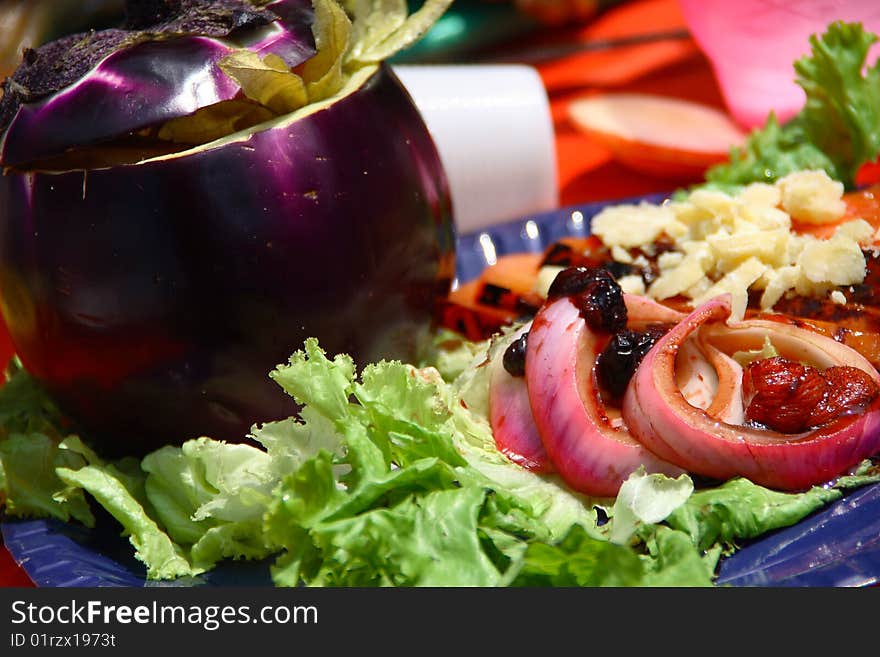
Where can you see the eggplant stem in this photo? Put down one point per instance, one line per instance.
(141, 14)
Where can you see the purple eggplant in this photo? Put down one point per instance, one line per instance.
(142, 85)
(153, 297)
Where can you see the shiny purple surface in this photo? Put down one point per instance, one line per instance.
(154, 299)
(143, 85)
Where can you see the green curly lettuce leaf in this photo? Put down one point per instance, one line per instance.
(385, 477)
(838, 129)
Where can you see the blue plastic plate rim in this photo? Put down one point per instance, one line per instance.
(838, 546)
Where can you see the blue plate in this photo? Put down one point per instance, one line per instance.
(838, 546)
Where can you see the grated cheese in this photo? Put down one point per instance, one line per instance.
(737, 243)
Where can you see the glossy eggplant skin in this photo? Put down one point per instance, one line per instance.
(154, 299)
(134, 88)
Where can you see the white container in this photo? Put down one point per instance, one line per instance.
(494, 133)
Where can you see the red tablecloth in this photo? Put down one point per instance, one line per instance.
(587, 172)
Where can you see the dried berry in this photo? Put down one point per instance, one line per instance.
(602, 305)
(514, 358)
(596, 295)
(617, 363)
(569, 281)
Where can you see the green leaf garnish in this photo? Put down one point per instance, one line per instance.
(837, 130)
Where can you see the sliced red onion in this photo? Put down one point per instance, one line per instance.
(710, 379)
(642, 311)
(660, 417)
(695, 376)
(727, 405)
(510, 415)
(590, 451)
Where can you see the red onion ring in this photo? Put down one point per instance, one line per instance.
(510, 415)
(590, 453)
(659, 416)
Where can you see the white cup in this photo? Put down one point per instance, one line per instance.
(494, 133)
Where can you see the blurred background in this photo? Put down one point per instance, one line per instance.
(726, 64)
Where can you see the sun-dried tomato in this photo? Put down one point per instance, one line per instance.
(790, 397)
